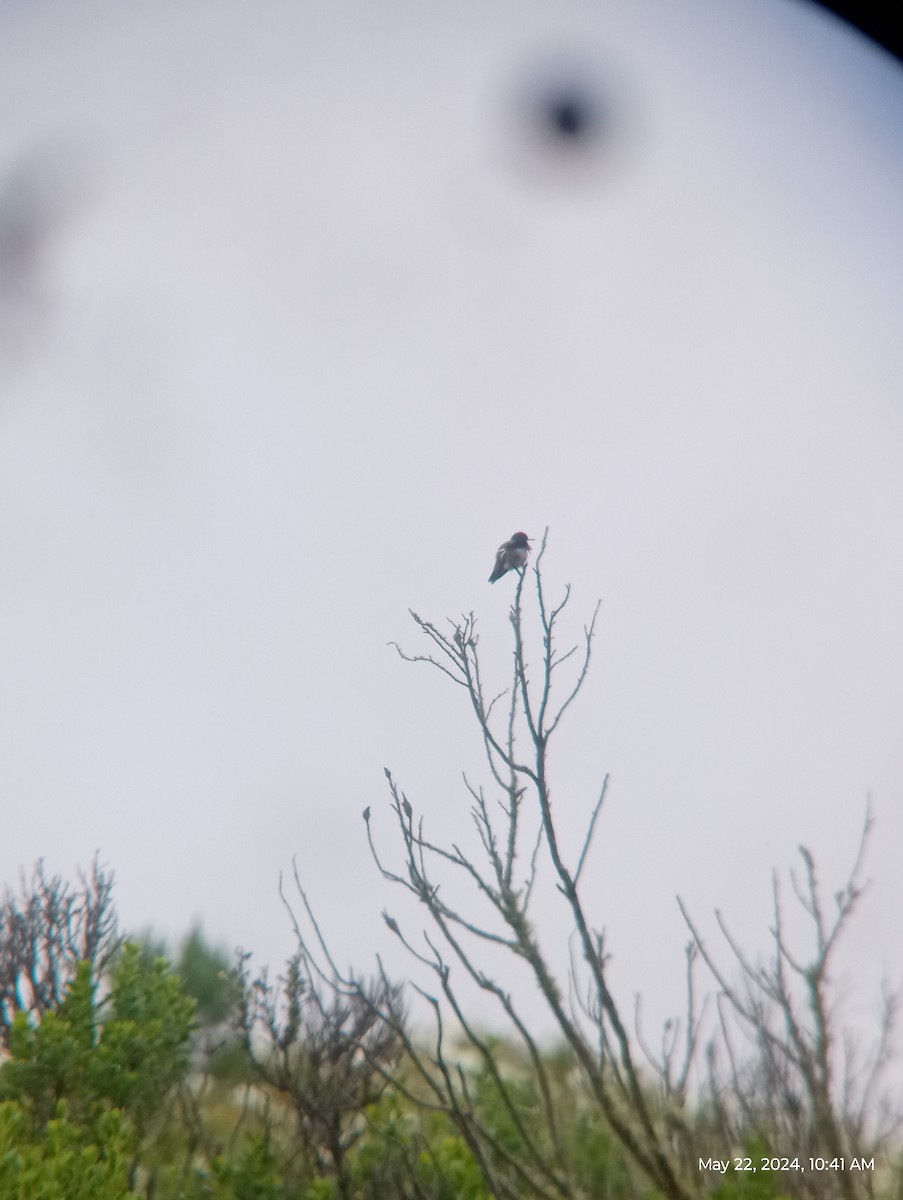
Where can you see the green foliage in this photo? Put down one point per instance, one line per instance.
(450, 1171)
(751, 1185)
(519, 1123)
(61, 1166)
(81, 1087)
(51, 1062)
(252, 1174)
(143, 1050)
(207, 975)
(124, 1053)
(403, 1152)
(206, 971)
(96, 1103)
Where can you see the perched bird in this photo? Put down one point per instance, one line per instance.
(510, 556)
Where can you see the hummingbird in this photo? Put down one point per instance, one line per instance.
(510, 556)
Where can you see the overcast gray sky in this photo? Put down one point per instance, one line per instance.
(302, 311)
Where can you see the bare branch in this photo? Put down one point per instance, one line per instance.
(45, 932)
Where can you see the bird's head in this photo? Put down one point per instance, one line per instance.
(521, 540)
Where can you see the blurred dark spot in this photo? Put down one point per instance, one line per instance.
(26, 221)
(571, 114)
(39, 192)
(568, 120)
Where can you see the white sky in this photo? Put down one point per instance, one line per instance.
(314, 320)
